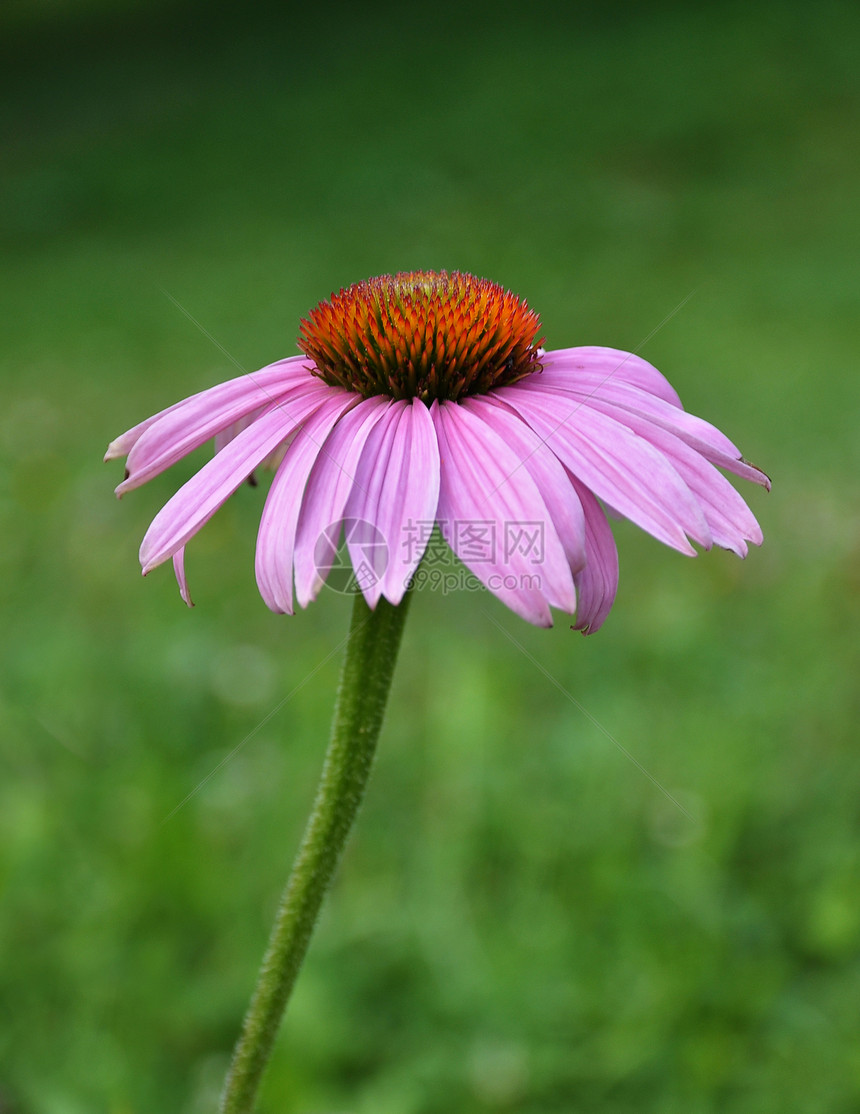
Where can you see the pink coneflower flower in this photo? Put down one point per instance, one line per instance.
(425, 398)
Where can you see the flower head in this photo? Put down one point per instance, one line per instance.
(425, 398)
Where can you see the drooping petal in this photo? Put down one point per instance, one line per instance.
(183, 428)
(617, 398)
(331, 480)
(397, 491)
(596, 583)
(121, 446)
(179, 570)
(617, 465)
(198, 499)
(610, 365)
(731, 522)
(277, 534)
(544, 468)
(494, 517)
(224, 436)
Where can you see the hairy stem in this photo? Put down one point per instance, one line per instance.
(374, 639)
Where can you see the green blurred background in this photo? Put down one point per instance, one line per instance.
(523, 921)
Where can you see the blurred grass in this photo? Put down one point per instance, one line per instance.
(523, 921)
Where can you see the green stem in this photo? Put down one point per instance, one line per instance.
(371, 652)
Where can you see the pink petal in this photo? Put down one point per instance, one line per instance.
(183, 428)
(328, 488)
(621, 468)
(277, 534)
(198, 499)
(730, 520)
(617, 399)
(610, 365)
(397, 491)
(121, 445)
(226, 435)
(179, 570)
(597, 583)
(484, 489)
(544, 467)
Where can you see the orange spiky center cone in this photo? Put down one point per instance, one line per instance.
(422, 334)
